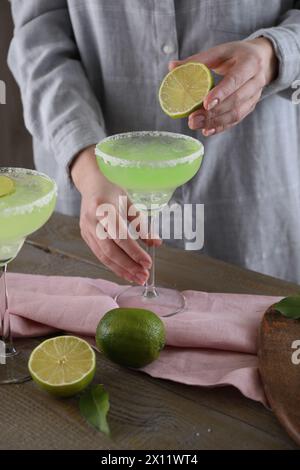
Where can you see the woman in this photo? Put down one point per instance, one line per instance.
(89, 68)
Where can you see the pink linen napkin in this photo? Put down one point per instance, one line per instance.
(212, 343)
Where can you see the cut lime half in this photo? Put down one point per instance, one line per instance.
(63, 366)
(184, 89)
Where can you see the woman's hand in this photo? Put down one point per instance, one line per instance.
(124, 257)
(247, 67)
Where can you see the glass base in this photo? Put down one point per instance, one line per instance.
(14, 365)
(164, 302)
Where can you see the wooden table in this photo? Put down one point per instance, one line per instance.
(145, 413)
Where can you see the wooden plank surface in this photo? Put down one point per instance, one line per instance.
(185, 270)
(145, 413)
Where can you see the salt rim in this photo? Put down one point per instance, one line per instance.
(118, 161)
(27, 208)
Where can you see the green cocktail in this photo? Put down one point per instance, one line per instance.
(25, 210)
(149, 166)
(27, 200)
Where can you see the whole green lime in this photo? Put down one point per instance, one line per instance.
(131, 337)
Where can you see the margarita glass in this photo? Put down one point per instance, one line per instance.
(23, 211)
(149, 166)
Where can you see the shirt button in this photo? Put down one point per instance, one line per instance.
(168, 49)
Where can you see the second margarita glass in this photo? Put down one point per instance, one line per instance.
(149, 166)
(23, 210)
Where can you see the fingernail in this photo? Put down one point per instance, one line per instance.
(208, 132)
(141, 278)
(173, 64)
(146, 264)
(213, 104)
(199, 121)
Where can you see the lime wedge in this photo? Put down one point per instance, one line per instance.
(184, 89)
(63, 366)
(7, 186)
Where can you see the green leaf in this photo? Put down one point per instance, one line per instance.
(289, 307)
(94, 406)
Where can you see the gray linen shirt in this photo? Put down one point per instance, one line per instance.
(88, 68)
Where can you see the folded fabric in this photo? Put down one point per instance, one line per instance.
(212, 343)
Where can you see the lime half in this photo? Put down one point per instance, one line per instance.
(184, 89)
(7, 186)
(63, 366)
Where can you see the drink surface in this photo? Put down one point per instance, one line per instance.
(26, 209)
(149, 148)
(149, 163)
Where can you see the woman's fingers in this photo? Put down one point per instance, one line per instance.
(111, 255)
(243, 67)
(139, 225)
(116, 260)
(117, 231)
(212, 58)
(202, 117)
(114, 246)
(231, 118)
(112, 249)
(131, 246)
(235, 79)
(228, 112)
(152, 242)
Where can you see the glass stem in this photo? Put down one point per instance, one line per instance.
(150, 289)
(5, 332)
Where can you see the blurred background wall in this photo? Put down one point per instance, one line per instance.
(15, 142)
